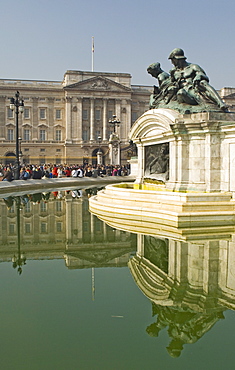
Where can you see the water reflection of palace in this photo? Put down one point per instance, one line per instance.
(190, 282)
(58, 225)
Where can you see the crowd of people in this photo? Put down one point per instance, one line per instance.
(32, 171)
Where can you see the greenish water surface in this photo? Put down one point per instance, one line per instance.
(69, 299)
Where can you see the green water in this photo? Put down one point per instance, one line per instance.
(76, 305)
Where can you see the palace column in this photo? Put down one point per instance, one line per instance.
(68, 119)
(118, 113)
(79, 119)
(128, 118)
(50, 131)
(35, 119)
(105, 123)
(3, 115)
(104, 231)
(92, 118)
(140, 245)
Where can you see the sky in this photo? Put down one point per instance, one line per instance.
(41, 40)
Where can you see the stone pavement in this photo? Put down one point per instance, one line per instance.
(26, 186)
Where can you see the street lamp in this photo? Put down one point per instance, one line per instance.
(18, 260)
(18, 105)
(99, 141)
(115, 122)
(114, 143)
(20, 151)
(99, 153)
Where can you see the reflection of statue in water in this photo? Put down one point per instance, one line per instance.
(186, 89)
(184, 325)
(156, 251)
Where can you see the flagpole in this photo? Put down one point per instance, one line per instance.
(93, 50)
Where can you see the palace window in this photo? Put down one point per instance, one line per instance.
(12, 209)
(85, 114)
(42, 113)
(27, 207)
(10, 134)
(42, 135)
(58, 207)
(43, 207)
(11, 229)
(85, 135)
(9, 113)
(58, 135)
(43, 227)
(27, 228)
(110, 114)
(134, 116)
(58, 227)
(26, 113)
(97, 114)
(26, 135)
(58, 114)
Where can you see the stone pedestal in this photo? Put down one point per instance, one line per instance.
(133, 166)
(200, 154)
(99, 157)
(114, 150)
(185, 177)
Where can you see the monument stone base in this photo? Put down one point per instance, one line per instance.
(186, 173)
(189, 152)
(149, 210)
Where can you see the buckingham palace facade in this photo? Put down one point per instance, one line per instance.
(68, 122)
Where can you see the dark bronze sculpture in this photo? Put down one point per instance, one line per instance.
(186, 89)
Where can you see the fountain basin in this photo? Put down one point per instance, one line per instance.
(123, 204)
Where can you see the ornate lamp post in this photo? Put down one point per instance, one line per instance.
(20, 151)
(114, 143)
(18, 260)
(18, 105)
(99, 153)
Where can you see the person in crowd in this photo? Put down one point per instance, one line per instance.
(80, 172)
(55, 172)
(115, 171)
(94, 171)
(8, 175)
(60, 172)
(88, 172)
(37, 173)
(74, 172)
(67, 172)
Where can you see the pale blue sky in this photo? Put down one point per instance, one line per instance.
(42, 39)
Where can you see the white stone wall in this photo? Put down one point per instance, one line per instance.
(202, 150)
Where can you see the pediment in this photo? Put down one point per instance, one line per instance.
(98, 84)
(99, 257)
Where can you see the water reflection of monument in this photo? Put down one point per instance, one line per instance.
(190, 283)
(181, 205)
